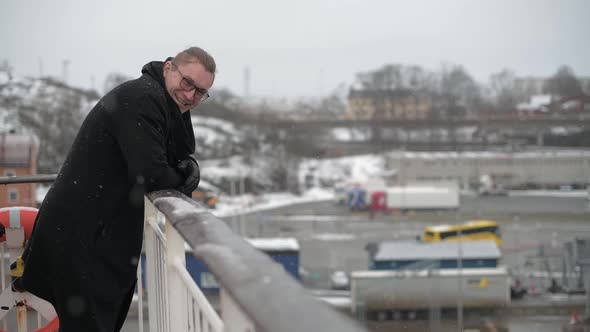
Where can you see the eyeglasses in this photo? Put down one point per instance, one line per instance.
(188, 86)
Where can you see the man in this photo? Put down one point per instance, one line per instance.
(86, 244)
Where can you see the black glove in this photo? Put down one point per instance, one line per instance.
(189, 168)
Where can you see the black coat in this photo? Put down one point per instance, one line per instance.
(85, 247)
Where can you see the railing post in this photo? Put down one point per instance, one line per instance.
(155, 296)
(177, 297)
(15, 239)
(234, 319)
(140, 296)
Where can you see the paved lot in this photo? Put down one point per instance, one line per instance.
(334, 238)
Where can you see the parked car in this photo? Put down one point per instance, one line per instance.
(339, 280)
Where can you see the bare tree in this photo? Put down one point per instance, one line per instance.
(113, 80)
(461, 90)
(563, 83)
(416, 78)
(396, 76)
(389, 77)
(504, 96)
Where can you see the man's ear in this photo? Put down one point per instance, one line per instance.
(167, 66)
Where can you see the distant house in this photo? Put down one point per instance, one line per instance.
(537, 104)
(543, 104)
(18, 156)
(574, 104)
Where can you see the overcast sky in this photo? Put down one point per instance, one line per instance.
(294, 48)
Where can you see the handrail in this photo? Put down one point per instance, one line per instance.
(41, 178)
(262, 289)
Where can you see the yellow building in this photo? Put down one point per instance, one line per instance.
(389, 104)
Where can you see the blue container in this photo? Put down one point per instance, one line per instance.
(284, 251)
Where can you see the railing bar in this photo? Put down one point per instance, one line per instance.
(157, 288)
(158, 272)
(161, 290)
(153, 260)
(2, 266)
(140, 294)
(148, 267)
(190, 311)
(197, 316)
(202, 302)
(3, 273)
(165, 289)
(158, 262)
(40, 178)
(157, 231)
(154, 290)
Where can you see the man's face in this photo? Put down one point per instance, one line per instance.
(187, 83)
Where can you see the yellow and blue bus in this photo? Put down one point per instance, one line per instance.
(474, 230)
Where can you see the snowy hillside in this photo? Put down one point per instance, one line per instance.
(24, 101)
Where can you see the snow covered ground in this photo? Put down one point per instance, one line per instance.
(358, 168)
(229, 206)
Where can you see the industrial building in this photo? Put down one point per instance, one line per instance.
(18, 157)
(551, 169)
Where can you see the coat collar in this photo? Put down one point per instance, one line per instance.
(183, 128)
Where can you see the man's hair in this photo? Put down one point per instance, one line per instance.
(196, 54)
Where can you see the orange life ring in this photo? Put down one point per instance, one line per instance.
(18, 216)
(23, 216)
(52, 326)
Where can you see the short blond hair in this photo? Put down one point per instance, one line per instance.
(196, 54)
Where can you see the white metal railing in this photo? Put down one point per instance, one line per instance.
(256, 294)
(175, 302)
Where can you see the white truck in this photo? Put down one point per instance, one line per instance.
(415, 197)
(488, 187)
(376, 290)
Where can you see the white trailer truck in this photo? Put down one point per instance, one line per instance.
(415, 290)
(414, 197)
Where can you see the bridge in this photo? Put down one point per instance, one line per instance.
(491, 122)
(312, 136)
(419, 135)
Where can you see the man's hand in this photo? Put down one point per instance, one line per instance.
(192, 173)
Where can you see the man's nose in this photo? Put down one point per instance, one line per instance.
(189, 94)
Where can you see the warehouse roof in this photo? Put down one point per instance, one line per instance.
(415, 250)
(274, 244)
